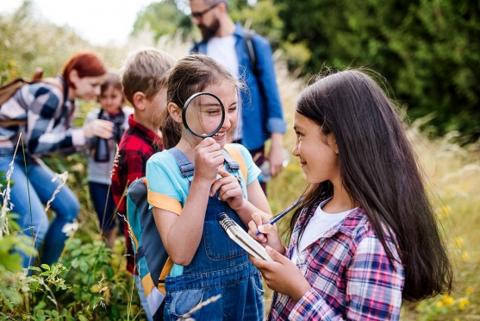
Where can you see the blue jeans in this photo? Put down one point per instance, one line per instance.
(102, 200)
(31, 188)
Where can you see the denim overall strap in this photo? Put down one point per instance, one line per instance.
(185, 166)
(232, 166)
(219, 267)
(188, 170)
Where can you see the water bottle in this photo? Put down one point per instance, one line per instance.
(102, 151)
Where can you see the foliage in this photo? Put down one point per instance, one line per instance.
(87, 284)
(428, 50)
(28, 42)
(162, 18)
(55, 43)
(171, 17)
(90, 281)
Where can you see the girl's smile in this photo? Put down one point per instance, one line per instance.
(316, 151)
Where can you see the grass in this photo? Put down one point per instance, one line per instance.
(452, 174)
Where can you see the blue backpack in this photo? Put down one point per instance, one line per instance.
(151, 258)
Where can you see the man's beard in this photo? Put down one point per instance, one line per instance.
(209, 31)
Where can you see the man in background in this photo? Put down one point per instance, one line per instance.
(248, 57)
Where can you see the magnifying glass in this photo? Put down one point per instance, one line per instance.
(203, 114)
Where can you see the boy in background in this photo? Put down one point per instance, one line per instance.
(144, 78)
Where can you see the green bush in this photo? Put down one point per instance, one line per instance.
(428, 51)
(88, 283)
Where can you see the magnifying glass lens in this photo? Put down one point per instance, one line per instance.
(203, 114)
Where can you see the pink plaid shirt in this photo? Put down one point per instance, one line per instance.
(350, 274)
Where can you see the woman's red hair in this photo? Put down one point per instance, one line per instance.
(87, 64)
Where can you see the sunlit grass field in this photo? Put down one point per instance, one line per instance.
(452, 175)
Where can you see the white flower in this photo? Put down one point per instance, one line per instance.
(70, 228)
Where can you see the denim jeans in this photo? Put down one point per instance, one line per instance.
(32, 186)
(102, 200)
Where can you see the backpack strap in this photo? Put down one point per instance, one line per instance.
(186, 167)
(12, 89)
(248, 37)
(237, 156)
(232, 165)
(233, 159)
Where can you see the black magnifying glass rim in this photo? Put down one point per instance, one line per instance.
(184, 112)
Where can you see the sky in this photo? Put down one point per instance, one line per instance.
(98, 21)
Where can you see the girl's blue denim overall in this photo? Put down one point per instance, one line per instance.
(219, 267)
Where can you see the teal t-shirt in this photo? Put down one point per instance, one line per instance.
(168, 189)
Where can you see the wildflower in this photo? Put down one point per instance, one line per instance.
(70, 228)
(447, 300)
(78, 167)
(465, 256)
(439, 304)
(469, 290)
(5, 194)
(463, 303)
(63, 180)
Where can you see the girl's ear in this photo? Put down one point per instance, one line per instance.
(332, 142)
(174, 111)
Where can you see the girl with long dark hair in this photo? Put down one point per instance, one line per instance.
(365, 236)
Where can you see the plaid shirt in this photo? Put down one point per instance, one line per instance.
(137, 145)
(48, 117)
(350, 274)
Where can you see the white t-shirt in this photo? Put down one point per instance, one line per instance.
(318, 224)
(222, 50)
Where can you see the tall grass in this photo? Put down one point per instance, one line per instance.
(452, 174)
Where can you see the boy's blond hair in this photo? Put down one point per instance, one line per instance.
(145, 71)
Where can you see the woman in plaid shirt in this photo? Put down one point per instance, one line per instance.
(41, 114)
(365, 236)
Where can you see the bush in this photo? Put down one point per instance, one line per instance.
(88, 283)
(428, 51)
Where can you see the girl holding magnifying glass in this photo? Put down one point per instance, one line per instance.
(194, 182)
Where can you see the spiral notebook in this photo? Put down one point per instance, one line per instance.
(242, 238)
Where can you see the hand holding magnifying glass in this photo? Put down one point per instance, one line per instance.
(203, 115)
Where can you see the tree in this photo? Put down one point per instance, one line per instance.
(428, 50)
(162, 18)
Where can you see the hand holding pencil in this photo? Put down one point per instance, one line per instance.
(280, 215)
(269, 234)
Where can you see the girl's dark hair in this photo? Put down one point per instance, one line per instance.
(171, 131)
(380, 173)
(193, 74)
(190, 75)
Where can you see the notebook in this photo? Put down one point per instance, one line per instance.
(242, 238)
